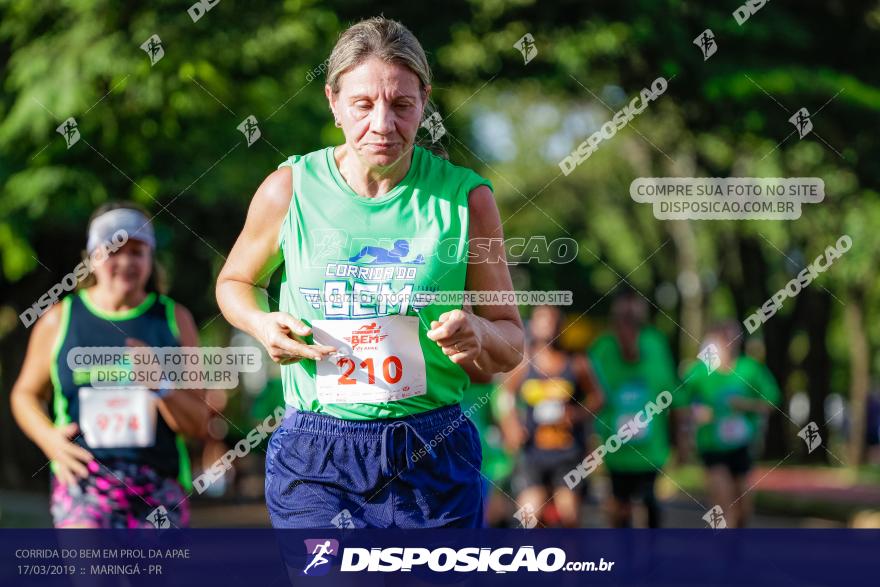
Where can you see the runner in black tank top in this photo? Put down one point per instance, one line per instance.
(152, 322)
(558, 395)
(547, 402)
(117, 455)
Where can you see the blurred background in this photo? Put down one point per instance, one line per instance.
(165, 135)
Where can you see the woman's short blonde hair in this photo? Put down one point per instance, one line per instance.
(390, 41)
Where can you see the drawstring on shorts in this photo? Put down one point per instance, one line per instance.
(388, 438)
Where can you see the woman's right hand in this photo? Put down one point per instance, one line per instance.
(283, 337)
(70, 459)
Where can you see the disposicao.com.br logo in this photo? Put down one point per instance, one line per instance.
(324, 552)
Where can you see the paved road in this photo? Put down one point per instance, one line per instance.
(18, 510)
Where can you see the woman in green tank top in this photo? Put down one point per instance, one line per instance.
(374, 237)
(730, 399)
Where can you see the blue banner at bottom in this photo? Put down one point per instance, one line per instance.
(265, 558)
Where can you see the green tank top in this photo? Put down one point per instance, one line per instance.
(363, 273)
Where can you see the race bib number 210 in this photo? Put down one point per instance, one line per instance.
(379, 360)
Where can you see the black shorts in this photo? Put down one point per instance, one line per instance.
(738, 460)
(537, 468)
(625, 486)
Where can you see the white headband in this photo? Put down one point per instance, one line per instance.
(132, 223)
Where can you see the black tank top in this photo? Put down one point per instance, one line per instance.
(546, 399)
(84, 325)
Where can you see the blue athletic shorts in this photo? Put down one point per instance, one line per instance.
(421, 471)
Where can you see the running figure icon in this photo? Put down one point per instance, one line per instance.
(382, 256)
(319, 551)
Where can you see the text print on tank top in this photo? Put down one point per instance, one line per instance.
(363, 273)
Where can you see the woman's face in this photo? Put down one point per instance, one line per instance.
(725, 345)
(127, 270)
(544, 324)
(380, 107)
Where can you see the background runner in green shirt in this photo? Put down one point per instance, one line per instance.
(634, 365)
(729, 405)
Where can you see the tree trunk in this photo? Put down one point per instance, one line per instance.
(754, 291)
(817, 364)
(689, 286)
(859, 369)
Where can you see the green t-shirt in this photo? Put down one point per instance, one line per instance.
(729, 428)
(628, 387)
(363, 273)
(480, 404)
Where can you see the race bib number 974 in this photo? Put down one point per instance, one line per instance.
(379, 360)
(117, 417)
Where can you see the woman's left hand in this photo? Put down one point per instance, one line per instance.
(459, 334)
